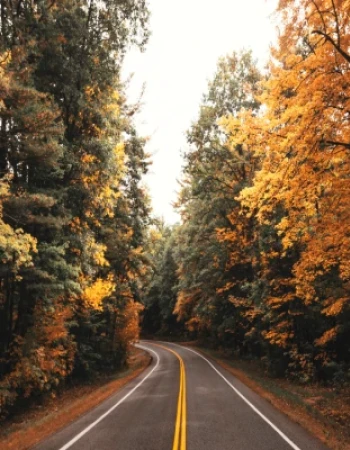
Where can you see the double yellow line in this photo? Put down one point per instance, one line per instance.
(180, 424)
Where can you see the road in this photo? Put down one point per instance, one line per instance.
(183, 401)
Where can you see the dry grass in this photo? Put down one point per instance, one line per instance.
(323, 411)
(34, 425)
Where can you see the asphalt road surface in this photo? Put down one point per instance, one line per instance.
(183, 401)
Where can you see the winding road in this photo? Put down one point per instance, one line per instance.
(183, 401)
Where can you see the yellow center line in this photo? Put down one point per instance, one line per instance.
(184, 410)
(181, 415)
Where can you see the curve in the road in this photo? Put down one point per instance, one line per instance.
(93, 424)
(180, 441)
(202, 408)
(256, 410)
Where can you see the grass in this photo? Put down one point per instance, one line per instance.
(39, 421)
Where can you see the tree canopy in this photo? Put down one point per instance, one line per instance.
(73, 210)
(262, 253)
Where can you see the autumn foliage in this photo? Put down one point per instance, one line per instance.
(72, 207)
(263, 253)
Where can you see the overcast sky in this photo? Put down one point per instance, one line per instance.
(188, 37)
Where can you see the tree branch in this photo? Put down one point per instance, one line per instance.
(336, 144)
(335, 45)
(336, 22)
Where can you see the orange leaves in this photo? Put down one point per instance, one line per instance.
(328, 336)
(294, 209)
(281, 339)
(196, 324)
(129, 331)
(61, 39)
(304, 166)
(336, 306)
(184, 302)
(43, 360)
(87, 159)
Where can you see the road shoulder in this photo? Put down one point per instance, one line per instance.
(324, 412)
(39, 422)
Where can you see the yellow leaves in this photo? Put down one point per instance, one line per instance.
(99, 256)
(112, 106)
(4, 78)
(118, 161)
(119, 153)
(289, 232)
(305, 104)
(94, 294)
(105, 201)
(245, 129)
(92, 92)
(95, 251)
(91, 179)
(16, 246)
(137, 251)
(103, 185)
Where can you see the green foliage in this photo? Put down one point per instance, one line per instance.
(263, 250)
(73, 211)
(211, 271)
(161, 283)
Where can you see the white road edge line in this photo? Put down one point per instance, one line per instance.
(256, 410)
(93, 424)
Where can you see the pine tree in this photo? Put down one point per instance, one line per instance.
(211, 271)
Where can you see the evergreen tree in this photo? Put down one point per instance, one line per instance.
(70, 160)
(212, 273)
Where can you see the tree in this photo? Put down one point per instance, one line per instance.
(301, 189)
(211, 271)
(67, 140)
(161, 283)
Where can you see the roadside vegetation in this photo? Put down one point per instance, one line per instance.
(53, 412)
(260, 263)
(72, 206)
(259, 266)
(322, 410)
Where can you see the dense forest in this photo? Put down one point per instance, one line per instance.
(260, 263)
(73, 209)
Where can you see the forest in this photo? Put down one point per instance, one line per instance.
(73, 210)
(260, 263)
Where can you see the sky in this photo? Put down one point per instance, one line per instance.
(187, 39)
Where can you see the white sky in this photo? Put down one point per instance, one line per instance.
(188, 37)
